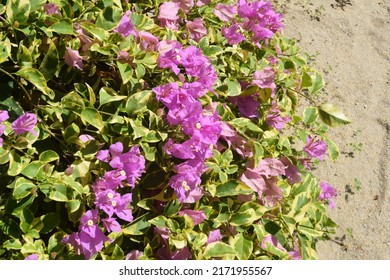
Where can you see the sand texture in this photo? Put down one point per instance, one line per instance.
(352, 43)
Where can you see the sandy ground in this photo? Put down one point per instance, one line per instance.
(352, 41)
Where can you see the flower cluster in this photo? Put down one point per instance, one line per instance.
(257, 18)
(24, 123)
(263, 178)
(315, 149)
(201, 125)
(127, 169)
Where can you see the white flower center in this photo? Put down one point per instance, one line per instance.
(90, 223)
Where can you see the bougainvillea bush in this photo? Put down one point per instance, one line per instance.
(184, 129)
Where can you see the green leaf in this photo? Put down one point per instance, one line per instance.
(36, 78)
(92, 117)
(306, 80)
(5, 50)
(60, 192)
(243, 124)
(50, 221)
(34, 170)
(311, 233)
(213, 50)
(4, 156)
(75, 210)
(109, 18)
(48, 156)
(232, 188)
(137, 102)
(242, 246)
(10, 227)
(126, 71)
(12, 244)
(97, 32)
(138, 227)
(118, 253)
(23, 188)
(159, 221)
(310, 115)
(317, 83)
(332, 115)
(55, 245)
(245, 218)
(142, 22)
(36, 4)
(50, 63)
(63, 26)
(16, 163)
(258, 152)
(18, 10)
(26, 220)
(172, 208)
(108, 95)
(234, 87)
(218, 250)
(333, 149)
(24, 56)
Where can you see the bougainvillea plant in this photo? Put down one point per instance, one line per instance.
(159, 130)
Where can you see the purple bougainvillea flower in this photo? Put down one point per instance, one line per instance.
(133, 165)
(272, 240)
(74, 240)
(85, 41)
(316, 149)
(264, 78)
(272, 193)
(214, 236)
(2, 128)
(239, 143)
(147, 40)
(260, 33)
(52, 9)
(182, 107)
(86, 138)
(269, 167)
(111, 224)
(197, 216)
(327, 193)
(201, 3)
(126, 27)
(134, 255)
(90, 238)
(32, 257)
(232, 35)
(25, 123)
(262, 179)
(247, 105)
(185, 5)
(92, 245)
(275, 119)
(225, 12)
(166, 93)
(168, 15)
(196, 29)
(73, 58)
(3, 116)
(296, 254)
(292, 172)
(169, 55)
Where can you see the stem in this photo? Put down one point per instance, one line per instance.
(303, 95)
(20, 85)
